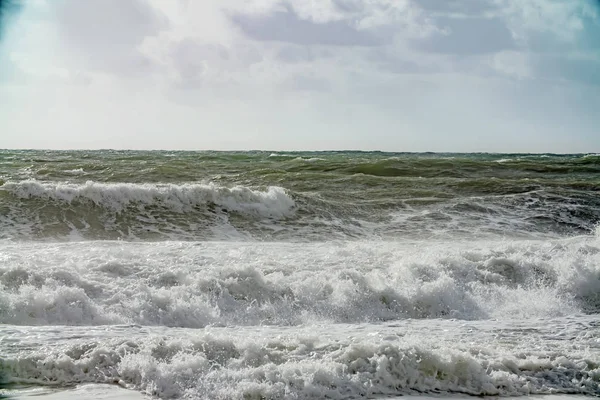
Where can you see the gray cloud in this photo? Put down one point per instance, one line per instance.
(466, 8)
(296, 54)
(308, 83)
(387, 60)
(105, 33)
(587, 39)
(292, 53)
(468, 36)
(349, 6)
(288, 27)
(192, 58)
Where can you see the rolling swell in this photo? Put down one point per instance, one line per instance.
(101, 210)
(93, 210)
(294, 196)
(456, 167)
(272, 203)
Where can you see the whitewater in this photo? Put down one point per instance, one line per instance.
(260, 275)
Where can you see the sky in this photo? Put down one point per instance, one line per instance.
(391, 75)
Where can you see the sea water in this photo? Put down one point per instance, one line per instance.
(338, 275)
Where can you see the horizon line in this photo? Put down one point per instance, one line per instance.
(298, 151)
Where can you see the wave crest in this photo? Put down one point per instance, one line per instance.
(271, 203)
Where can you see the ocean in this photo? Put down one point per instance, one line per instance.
(300, 275)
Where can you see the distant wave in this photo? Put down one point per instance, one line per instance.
(76, 171)
(309, 159)
(282, 155)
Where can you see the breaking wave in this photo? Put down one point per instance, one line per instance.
(206, 366)
(196, 285)
(190, 211)
(272, 203)
(93, 210)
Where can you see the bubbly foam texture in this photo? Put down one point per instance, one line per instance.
(272, 203)
(316, 362)
(199, 284)
(315, 320)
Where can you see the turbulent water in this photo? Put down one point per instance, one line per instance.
(300, 275)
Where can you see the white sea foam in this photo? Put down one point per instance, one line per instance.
(332, 361)
(199, 284)
(76, 171)
(312, 320)
(272, 203)
(281, 155)
(306, 320)
(308, 159)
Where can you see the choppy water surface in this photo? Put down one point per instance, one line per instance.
(300, 275)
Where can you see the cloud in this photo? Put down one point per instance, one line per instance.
(288, 27)
(561, 37)
(513, 64)
(191, 61)
(395, 74)
(458, 37)
(104, 34)
(301, 54)
(460, 8)
(562, 20)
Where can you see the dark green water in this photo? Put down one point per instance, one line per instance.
(163, 195)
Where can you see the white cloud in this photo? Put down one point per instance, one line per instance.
(512, 63)
(393, 74)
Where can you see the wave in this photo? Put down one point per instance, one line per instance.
(590, 160)
(92, 210)
(200, 284)
(272, 203)
(282, 155)
(35, 210)
(309, 159)
(75, 171)
(259, 364)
